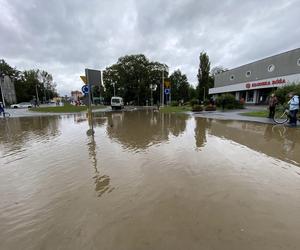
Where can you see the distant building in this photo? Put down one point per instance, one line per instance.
(255, 81)
(7, 89)
(76, 95)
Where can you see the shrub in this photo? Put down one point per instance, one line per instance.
(228, 101)
(282, 93)
(174, 103)
(194, 102)
(210, 108)
(197, 108)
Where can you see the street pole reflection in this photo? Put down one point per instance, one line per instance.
(102, 182)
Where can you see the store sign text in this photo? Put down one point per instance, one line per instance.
(265, 83)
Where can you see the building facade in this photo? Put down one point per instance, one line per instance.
(255, 81)
(76, 95)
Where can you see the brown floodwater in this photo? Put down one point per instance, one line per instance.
(148, 180)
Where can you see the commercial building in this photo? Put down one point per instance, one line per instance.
(255, 81)
(76, 95)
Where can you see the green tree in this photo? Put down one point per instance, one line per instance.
(48, 86)
(192, 92)
(131, 77)
(204, 81)
(179, 86)
(217, 70)
(28, 81)
(6, 69)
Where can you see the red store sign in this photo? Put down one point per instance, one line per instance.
(265, 83)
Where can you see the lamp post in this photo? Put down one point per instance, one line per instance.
(203, 94)
(152, 88)
(114, 88)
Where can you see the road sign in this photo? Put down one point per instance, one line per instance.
(93, 76)
(83, 78)
(85, 89)
(167, 84)
(167, 91)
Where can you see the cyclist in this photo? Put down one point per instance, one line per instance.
(293, 107)
(1, 108)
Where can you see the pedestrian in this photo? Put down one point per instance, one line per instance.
(272, 105)
(294, 108)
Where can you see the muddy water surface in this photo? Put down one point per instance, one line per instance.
(148, 181)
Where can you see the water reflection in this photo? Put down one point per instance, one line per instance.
(274, 140)
(102, 182)
(141, 129)
(202, 125)
(99, 119)
(16, 132)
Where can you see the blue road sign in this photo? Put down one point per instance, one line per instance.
(85, 89)
(167, 91)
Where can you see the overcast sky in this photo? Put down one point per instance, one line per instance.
(66, 36)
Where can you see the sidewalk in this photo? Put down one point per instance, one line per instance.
(236, 115)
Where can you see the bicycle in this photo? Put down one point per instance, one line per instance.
(282, 115)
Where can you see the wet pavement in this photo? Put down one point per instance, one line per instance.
(237, 115)
(148, 180)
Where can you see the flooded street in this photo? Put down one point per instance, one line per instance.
(148, 180)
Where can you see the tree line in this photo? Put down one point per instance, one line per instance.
(132, 76)
(30, 84)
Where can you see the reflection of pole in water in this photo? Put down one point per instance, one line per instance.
(101, 182)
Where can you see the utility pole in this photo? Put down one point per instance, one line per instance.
(163, 89)
(151, 95)
(114, 88)
(100, 84)
(37, 95)
(170, 95)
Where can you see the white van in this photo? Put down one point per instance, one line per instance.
(116, 102)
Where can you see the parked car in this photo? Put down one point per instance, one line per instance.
(21, 105)
(116, 103)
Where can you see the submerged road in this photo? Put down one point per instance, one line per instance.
(235, 115)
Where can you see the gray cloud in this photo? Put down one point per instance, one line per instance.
(64, 37)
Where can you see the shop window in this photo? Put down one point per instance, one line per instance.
(298, 62)
(271, 67)
(248, 73)
(232, 77)
(250, 96)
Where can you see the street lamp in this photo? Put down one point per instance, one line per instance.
(152, 88)
(114, 88)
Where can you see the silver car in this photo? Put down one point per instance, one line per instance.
(21, 105)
